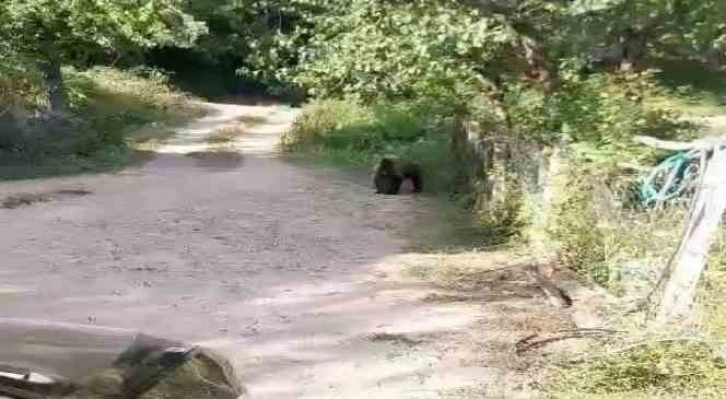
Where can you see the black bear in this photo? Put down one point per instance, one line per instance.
(390, 174)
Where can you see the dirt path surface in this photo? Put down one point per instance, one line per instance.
(297, 273)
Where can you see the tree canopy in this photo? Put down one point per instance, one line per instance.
(49, 33)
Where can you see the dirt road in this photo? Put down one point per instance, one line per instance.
(290, 270)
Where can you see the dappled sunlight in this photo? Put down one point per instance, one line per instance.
(260, 127)
(378, 333)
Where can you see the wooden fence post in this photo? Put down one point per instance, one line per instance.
(690, 261)
(707, 212)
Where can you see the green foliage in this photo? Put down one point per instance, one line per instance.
(321, 120)
(122, 101)
(108, 107)
(573, 222)
(351, 126)
(382, 49)
(600, 112)
(45, 34)
(680, 26)
(237, 28)
(357, 133)
(72, 30)
(678, 368)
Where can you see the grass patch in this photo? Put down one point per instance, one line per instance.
(227, 133)
(345, 133)
(691, 87)
(677, 369)
(20, 200)
(110, 112)
(455, 231)
(252, 120)
(121, 100)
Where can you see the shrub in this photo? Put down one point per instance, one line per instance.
(350, 126)
(356, 133)
(107, 107)
(573, 223)
(678, 368)
(319, 120)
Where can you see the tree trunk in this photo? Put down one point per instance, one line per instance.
(54, 85)
(460, 153)
(690, 261)
(633, 45)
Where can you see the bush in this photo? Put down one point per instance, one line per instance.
(573, 223)
(107, 107)
(360, 134)
(600, 112)
(681, 369)
(320, 120)
(118, 102)
(19, 85)
(349, 126)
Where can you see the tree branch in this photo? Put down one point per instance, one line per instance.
(704, 144)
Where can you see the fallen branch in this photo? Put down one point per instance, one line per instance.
(520, 264)
(704, 144)
(527, 342)
(555, 295)
(634, 167)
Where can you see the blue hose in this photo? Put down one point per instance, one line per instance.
(654, 192)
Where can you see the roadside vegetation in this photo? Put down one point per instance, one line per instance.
(691, 86)
(59, 113)
(109, 113)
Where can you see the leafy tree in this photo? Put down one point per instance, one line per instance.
(387, 48)
(686, 28)
(49, 33)
(238, 27)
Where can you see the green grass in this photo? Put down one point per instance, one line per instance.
(137, 107)
(111, 112)
(632, 247)
(669, 369)
(226, 134)
(692, 88)
(347, 134)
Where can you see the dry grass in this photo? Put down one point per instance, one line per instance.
(512, 309)
(20, 200)
(227, 133)
(252, 120)
(152, 134)
(27, 199)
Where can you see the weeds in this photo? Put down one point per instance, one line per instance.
(692, 87)
(111, 110)
(671, 369)
(227, 133)
(346, 132)
(20, 200)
